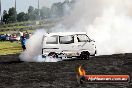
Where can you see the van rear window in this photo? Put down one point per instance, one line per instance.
(66, 39)
(52, 40)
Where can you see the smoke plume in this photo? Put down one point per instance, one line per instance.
(34, 47)
(108, 22)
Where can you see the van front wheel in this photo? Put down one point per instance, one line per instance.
(84, 55)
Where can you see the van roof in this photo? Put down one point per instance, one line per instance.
(64, 33)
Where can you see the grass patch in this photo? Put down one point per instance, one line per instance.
(11, 32)
(10, 48)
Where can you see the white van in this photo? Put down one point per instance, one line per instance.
(68, 44)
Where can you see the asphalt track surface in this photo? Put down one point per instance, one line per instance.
(16, 74)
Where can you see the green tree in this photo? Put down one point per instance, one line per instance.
(36, 14)
(44, 13)
(30, 9)
(5, 17)
(12, 15)
(31, 13)
(22, 17)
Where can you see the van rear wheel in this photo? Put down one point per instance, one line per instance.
(84, 55)
(53, 54)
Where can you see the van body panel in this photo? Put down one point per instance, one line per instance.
(67, 44)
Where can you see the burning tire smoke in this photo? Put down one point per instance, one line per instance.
(34, 49)
(33, 46)
(108, 22)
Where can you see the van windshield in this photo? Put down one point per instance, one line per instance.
(82, 38)
(66, 39)
(52, 40)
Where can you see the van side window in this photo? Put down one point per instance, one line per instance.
(52, 40)
(82, 38)
(66, 39)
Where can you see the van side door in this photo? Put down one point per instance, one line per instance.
(66, 43)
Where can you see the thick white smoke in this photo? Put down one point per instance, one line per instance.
(33, 46)
(33, 52)
(108, 22)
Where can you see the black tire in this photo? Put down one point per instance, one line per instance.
(53, 54)
(84, 55)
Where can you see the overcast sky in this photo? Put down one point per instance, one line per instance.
(22, 5)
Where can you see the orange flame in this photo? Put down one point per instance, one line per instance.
(81, 71)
